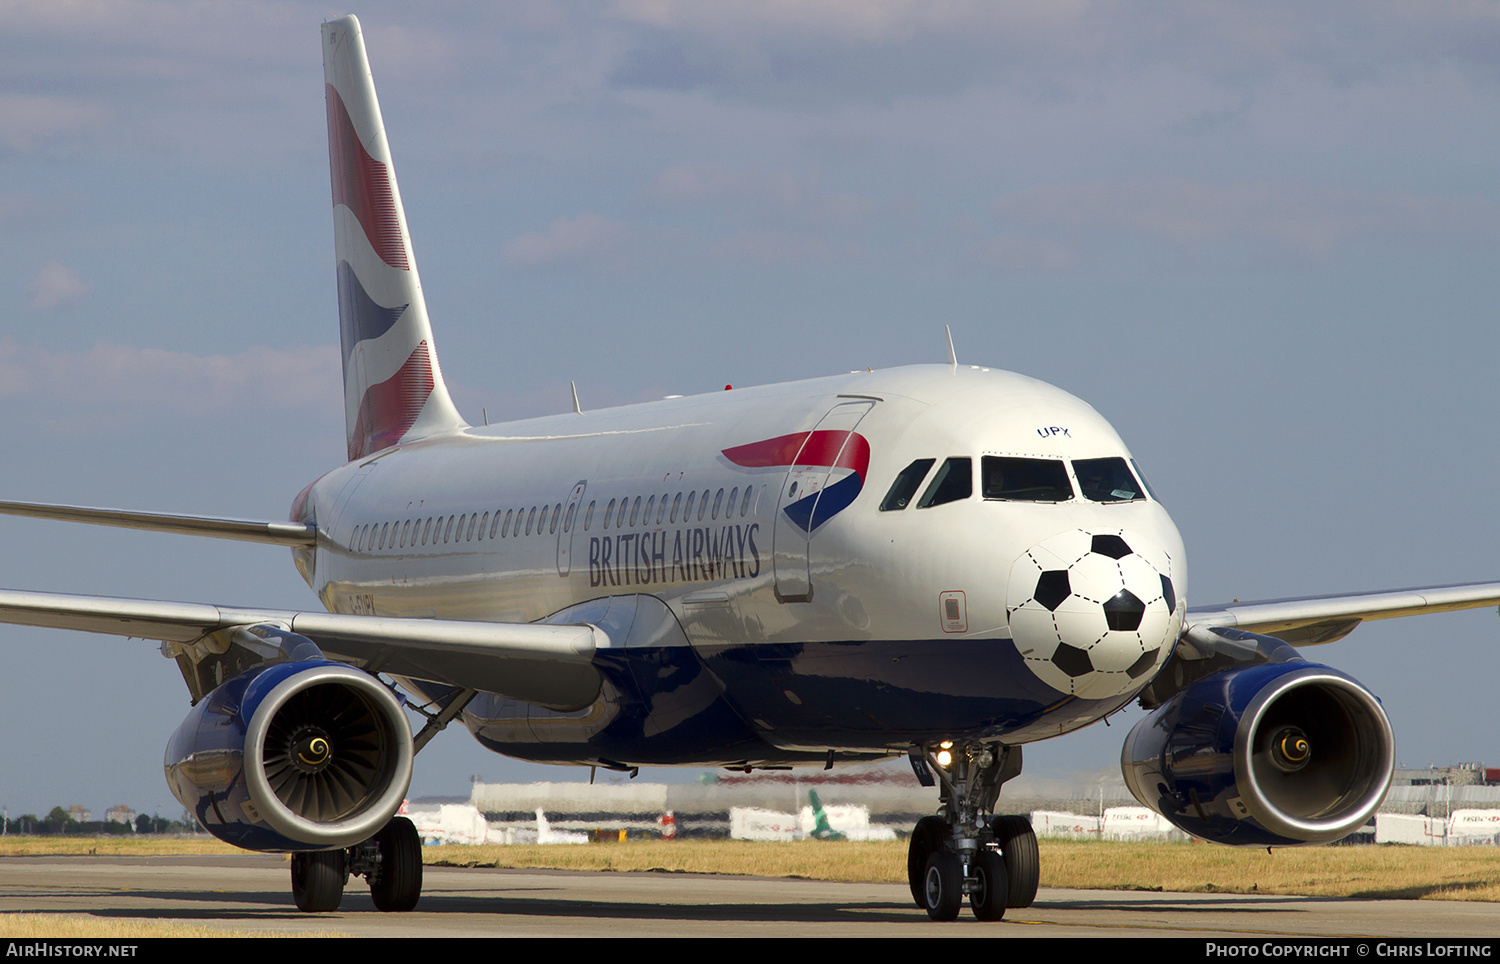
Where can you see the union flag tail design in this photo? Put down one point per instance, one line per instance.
(393, 387)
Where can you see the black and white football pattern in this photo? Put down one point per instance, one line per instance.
(1094, 613)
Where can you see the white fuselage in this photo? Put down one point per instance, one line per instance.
(517, 521)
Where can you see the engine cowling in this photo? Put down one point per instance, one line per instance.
(303, 755)
(1277, 754)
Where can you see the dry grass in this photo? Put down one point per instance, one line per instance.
(77, 926)
(121, 846)
(1387, 872)
(1466, 873)
(812, 859)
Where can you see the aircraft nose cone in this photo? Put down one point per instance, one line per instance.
(1094, 614)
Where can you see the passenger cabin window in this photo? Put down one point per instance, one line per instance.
(1107, 480)
(905, 486)
(954, 481)
(1024, 480)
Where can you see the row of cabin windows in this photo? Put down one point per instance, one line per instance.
(468, 527)
(624, 513)
(1013, 479)
(543, 520)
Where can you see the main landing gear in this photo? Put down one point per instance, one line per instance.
(391, 861)
(966, 850)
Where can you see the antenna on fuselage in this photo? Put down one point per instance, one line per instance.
(952, 355)
(574, 387)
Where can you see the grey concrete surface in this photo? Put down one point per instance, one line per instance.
(252, 892)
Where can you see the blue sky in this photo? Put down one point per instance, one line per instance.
(1259, 238)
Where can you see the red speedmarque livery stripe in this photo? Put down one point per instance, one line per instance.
(390, 408)
(363, 184)
(833, 448)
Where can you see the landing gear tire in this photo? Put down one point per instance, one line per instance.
(991, 888)
(943, 886)
(397, 886)
(1023, 865)
(926, 838)
(318, 880)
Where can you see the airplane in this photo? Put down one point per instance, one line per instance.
(546, 835)
(822, 829)
(854, 820)
(943, 562)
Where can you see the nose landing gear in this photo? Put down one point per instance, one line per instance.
(966, 850)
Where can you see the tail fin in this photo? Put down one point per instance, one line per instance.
(393, 388)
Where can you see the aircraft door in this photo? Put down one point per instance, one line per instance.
(797, 517)
(565, 531)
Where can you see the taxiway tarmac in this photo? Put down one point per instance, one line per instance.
(252, 893)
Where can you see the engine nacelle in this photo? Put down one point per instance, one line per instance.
(302, 755)
(1276, 754)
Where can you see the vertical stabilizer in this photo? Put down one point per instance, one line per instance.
(393, 387)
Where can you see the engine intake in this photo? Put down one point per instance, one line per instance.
(304, 755)
(1277, 754)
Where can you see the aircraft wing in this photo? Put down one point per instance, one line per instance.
(276, 533)
(538, 663)
(1322, 619)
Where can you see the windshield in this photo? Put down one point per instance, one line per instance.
(1025, 480)
(1107, 480)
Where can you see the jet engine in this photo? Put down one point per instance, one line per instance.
(1276, 754)
(302, 755)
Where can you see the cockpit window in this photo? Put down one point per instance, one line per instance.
(954, 481)
(1144, 481)
(905, 485)
(1107, 480)
(1025, 480)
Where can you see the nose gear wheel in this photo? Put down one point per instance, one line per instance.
(966, 849)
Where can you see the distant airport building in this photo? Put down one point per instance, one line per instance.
(1059, 823)
(860, 802)
(1438, 806)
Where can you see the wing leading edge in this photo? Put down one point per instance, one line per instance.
(1310, 620)
(539, 663)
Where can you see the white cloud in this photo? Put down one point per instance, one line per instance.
(774, 247)
(587, 237)
(30, 122)
(1308, 222)
(785, 196)
(54, 284)
(863, 21)
(113, 378)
